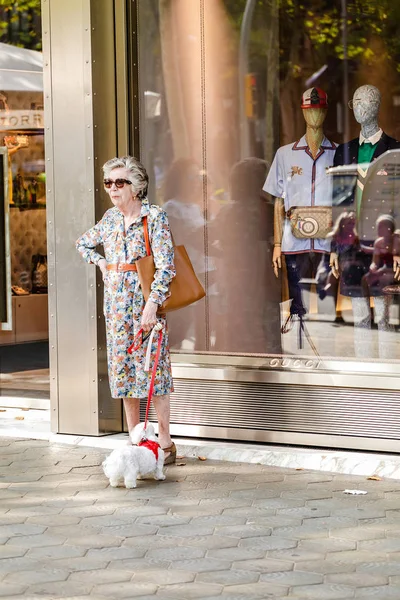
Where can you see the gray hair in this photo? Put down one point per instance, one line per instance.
(139, 177)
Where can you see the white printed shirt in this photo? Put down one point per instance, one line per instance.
(301, 181)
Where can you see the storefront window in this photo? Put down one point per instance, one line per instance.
(23, 188)
(259, 133)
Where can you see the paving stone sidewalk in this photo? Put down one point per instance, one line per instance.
(214, 530)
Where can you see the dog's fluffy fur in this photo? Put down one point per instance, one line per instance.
(129, 462)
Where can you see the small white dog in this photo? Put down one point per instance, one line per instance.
(144, 457)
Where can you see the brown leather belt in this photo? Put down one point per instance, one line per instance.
(122, 267)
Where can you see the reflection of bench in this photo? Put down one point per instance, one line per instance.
(308, 281)
(392, 290)
(30, 320)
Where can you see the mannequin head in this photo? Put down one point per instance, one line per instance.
(314, 104)
(314, 117)
(366, 103)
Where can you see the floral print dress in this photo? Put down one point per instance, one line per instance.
(123, 298)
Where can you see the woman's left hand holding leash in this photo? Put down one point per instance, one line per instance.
(149, 317)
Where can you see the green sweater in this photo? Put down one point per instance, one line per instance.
(365, 153)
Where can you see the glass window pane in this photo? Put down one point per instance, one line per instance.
(22, 141)
(247, 91)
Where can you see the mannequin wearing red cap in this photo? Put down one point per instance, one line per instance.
(297, 178)
(314, 117)
(314, 107)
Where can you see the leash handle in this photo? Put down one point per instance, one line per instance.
(139, 339)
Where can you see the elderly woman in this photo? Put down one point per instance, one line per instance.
(121, 234)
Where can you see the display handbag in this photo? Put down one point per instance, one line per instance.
(310, 221)
(184, 289)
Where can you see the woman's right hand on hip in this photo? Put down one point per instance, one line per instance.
(103, 267)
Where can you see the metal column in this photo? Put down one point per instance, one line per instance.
(81, 120)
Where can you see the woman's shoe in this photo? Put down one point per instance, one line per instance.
(171, 458)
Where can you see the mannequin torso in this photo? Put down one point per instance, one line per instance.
(298, 180)
(303, 166)
(371, 143)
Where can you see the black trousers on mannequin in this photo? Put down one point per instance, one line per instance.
(299, 266)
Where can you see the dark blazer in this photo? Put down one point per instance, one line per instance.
(377, 200)
(347, 154)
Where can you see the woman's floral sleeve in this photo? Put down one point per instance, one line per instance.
(163, 253)
(87, 243)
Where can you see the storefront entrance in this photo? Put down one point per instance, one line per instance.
(24, 352)
(292, 353)
(213, 96)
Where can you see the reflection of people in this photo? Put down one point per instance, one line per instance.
(298, 178)
(353, 265)
(183, 194)
(121, 233)
(396, 254)
(13, 144)
(381, 269)
(183, 197)
(241, 230)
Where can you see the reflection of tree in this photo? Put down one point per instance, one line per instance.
(289, 41)
(320, 22)
(20, 23)
(372, 41)
(310, 36)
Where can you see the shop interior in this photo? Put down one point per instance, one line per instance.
(24, 352)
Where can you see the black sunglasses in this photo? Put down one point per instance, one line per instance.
(119, 183)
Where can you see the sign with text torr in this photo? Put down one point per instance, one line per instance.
(21, 119)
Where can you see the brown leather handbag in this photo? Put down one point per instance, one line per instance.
(184, 289)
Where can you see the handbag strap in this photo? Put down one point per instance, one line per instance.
(147, 239)
(146, 236)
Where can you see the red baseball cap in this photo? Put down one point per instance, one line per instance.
(314, 98)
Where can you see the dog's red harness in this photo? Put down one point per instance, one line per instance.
(153, 446)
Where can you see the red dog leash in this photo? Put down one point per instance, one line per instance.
(137, 342)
